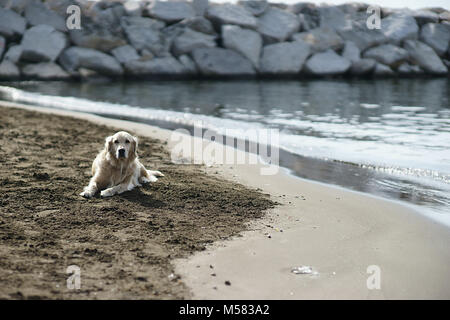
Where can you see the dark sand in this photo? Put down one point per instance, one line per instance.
(124, 245)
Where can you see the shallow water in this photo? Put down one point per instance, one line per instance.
(385, 137)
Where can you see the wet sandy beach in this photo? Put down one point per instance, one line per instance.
(217, 247)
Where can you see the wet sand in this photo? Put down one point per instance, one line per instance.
(124, 245)
(337, 232)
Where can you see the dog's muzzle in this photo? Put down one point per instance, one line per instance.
(121, 153)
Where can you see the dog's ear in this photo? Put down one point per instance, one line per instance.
(135, 145)
(108, 143)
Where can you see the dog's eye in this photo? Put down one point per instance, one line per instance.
(116, 142)
(127, 141)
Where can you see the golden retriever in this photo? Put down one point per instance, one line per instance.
(117, 169)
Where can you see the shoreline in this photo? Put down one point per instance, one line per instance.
(348, 232)
(233, 78)
(352, 229)
(350, 175)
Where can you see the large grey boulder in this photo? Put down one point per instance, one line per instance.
(37, 13)
(45, 71)
(231, 14)
(351, 52)
(42, 43)
(388, 54)
(245, 41)
(277, 25)
(125, 54)
(146, 55)
(190, 40)
(221, 62)
(437, 36)
(382, 70)
(327, 63)
(188, 63)
(8, 70)
(11, 24)
(200, 6)
(170, 11)
(421, 16)
(74, 58)
(168, 36)
(320, 39)
(424, 56)
(362, 36)
(15, 5)
(334, 18)
(97, 37)
(13, 54)
(141, 22)
(200, 24)
(308, 14)
(255, 7)
(362, 67)
(108, 18)
(157, 66)
(425, 16)
(144, 33)
(399, 27)
(308, 22)
(2, 46)
(408, 69)
(284, 57)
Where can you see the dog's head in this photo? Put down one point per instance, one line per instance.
(122, 146)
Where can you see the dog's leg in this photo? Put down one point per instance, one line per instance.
(154, 173)
(91, 189)
(117, 189)
(147, 179)
(147, 176)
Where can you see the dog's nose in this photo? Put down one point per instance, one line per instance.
(121, 152)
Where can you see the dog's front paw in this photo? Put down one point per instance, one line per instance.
(87, 194)
(149, 179)
(158, 174)
(155, 173)
(106, 193)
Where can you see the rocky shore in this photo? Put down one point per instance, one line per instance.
(197, 39)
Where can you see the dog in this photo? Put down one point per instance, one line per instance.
(117, 169)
